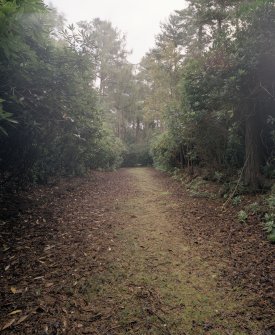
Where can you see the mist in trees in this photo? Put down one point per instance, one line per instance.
(203, 96)
(51, 120)
(218, 77)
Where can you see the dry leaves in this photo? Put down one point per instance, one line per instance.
(8, 324)
(52, 258)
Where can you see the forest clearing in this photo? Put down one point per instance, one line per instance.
(133, 252)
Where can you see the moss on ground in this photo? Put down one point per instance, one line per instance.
(156, 282)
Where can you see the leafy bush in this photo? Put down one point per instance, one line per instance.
(108, 152)
(254, 208)
(242, 216)
(269, 226)
(164, 151)
(236, 200)
(269, 218)
(46, 89)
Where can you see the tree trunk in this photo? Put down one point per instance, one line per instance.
(181, 157)
(252, 173)
(200, 38)
(137, 129)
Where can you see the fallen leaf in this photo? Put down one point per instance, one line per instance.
(42, 262)
(48, 284)
(16, 291)
(7, 267)
(13, 289)
(16, 312)
(8, 324)
(23, 318)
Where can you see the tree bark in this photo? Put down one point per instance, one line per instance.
(181, 157)
(253, 154)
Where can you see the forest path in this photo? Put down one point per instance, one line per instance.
(156, 282)
(131, 252)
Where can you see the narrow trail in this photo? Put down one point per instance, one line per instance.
(113, 258)
(161, 284)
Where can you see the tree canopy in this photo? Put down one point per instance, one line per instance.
(217, 88)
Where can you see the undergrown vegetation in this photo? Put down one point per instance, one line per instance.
(210, 84)
(269, 218)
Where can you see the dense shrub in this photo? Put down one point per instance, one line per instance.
(164, 151)
(50, 115)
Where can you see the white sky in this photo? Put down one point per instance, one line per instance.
(138, 19)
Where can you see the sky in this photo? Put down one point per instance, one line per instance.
(139, 20)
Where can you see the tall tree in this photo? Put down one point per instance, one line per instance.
(225, 82)
(46, 84)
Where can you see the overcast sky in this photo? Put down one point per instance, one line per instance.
(138, 19)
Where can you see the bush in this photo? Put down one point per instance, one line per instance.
(109, 152)
(164, 151)
(269, 218)
(242, 216)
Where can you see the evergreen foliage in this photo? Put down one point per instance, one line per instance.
(203, 96)
(50, 109)
(219, 106)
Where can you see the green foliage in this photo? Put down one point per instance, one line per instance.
(49, 105)
(164, 151)
(242, 216)
(217, 102)
(236, 200)
(109, 152)
(204, 95)
(269, 218)
(218, 176)
(269, 226)
(254, 208)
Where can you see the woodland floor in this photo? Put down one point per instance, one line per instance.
(131, 252)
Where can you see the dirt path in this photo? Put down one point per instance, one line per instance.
(161, 285)
(125, 266)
